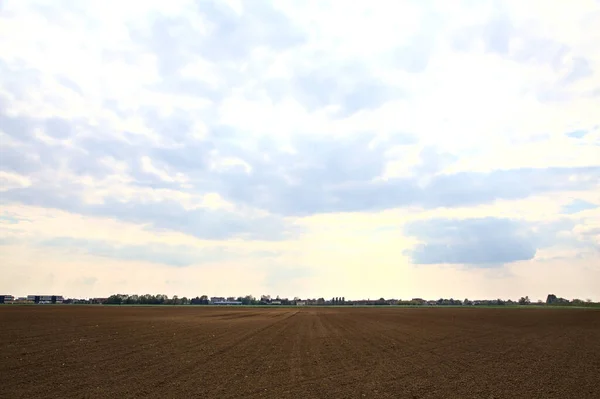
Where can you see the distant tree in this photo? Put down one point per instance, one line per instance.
(114, 300)
(550, 299)
(247, 300)
(381, 301)
(524, 301)
(196, 301)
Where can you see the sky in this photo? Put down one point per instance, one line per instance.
(302, 148)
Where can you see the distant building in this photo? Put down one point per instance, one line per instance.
(300, 303)
(22, 299)
(216, 299)
(227, 303)
(45, 299)
(6, 298)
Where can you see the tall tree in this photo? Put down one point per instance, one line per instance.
(524, 301)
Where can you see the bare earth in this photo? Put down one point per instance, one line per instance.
(211, 352)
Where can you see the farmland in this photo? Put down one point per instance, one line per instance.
(213, 352)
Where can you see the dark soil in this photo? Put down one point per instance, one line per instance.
(210, 352)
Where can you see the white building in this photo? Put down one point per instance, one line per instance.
(216, 299)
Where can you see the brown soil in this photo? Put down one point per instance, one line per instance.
(206, 352)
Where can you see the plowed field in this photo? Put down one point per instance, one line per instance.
(210, 352)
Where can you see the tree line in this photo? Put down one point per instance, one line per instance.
(161, 299)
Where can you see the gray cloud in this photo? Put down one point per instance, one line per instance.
(560, 234)
(592, 233)
(29, 155)
(433, 160)
(488, 242)
(481, 242)
(233, 36)
(541, 51)
(414, 57)
(17, 78)
(322, 175)
(577, 134)
(498, 33)
(179, 255)
(471, 188)
(225, 39)
(58, 128)
(577, 206)
(17, 128)
(351, 87)
(202, 223)
(159, 215)
(175, 127)
(69, 84)
(580, 69)
(330, 190)
(17, 159)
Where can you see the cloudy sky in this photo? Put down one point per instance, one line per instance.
(300, 148)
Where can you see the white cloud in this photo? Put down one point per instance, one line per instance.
(9, 181)
(147, 166)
